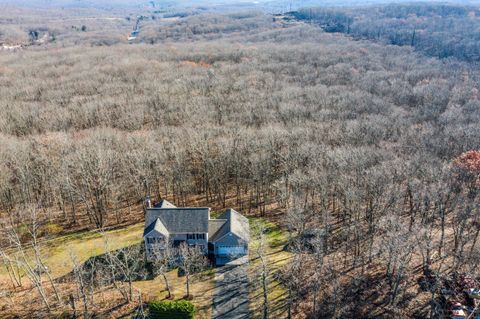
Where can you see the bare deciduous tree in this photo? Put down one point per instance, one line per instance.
(190, 260)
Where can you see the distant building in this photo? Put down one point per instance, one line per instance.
(225, 238)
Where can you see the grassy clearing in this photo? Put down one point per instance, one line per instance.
(57, 252)
(277, 258)
(57, 256)
(86, 245)
(201, 288)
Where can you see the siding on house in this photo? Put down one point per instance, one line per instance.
(229, 240)
(230, 233)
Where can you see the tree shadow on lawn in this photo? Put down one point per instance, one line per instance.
(124, 264)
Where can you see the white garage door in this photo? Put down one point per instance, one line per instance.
(231, 250)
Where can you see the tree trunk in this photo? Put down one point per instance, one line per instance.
(167, 285)
(188, 284)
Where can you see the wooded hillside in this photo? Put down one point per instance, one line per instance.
(357, 143)
(439, 30)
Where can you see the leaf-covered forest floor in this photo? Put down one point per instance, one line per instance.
(58, 254)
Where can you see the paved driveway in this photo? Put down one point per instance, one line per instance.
(230, 296)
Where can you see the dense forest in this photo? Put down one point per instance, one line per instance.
(439, 30)
(370, 148)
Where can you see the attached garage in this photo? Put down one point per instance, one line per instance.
(228, 249)
(230, 237)
(231, 250)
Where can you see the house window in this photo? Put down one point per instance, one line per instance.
(190, 236)
(154, 240)
(200, 236)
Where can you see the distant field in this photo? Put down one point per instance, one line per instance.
(76, 3)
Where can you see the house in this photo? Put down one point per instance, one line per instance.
(225, 238)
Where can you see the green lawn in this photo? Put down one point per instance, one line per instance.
(201, 289)
(84, 245)
(276, 239)
(57, 253)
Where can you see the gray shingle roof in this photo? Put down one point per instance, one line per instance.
(214, 227)
(236, 223)
(164, 204)
(180, 220)
(156, 225)
(168, 219)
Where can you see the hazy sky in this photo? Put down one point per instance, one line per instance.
(181, 3)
